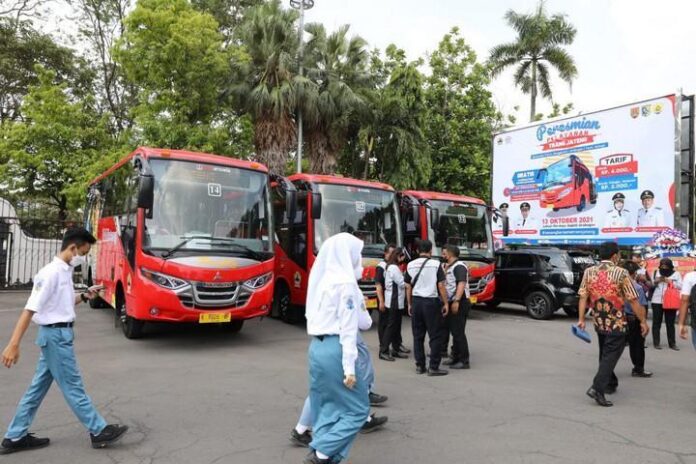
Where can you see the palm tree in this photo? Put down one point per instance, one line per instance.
(270, 87)
(337, 67)
(538, 47)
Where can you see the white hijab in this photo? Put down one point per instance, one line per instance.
(339, 262)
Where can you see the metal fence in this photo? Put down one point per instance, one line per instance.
(30, 236)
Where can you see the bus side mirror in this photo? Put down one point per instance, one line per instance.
(435, 218)
(316, 205)
(146, 194)
(415, 212)
(291, 204)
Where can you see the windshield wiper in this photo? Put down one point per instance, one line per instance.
(227, 241)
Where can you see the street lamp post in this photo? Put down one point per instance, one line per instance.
(301, 5)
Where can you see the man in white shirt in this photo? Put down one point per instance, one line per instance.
(52, 307)
(427, 305)
(457, 284)
(688, 304)
(650, 215)
(525, 221)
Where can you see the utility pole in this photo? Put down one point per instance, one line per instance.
(301, 5)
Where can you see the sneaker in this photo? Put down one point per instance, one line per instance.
(449, 361)
(460, 365)
(26, 443)
(674, 347)
(301, 439)
(398, 355)
(404, 350)
(420, 370)
(375, 424)
(110, 435)
(377, 399)
(644, 374)
(436, 372)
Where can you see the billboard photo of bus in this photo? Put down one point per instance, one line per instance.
(567, 183)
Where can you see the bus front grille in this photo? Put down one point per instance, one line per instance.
(208, 295)
(368, 287)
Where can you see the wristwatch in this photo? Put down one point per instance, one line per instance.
(84, 298)
(456, 300)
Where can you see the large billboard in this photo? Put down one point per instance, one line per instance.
(608, 175)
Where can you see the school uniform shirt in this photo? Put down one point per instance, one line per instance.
(339, 315)
(651, 217)
(454, 274)
(662, 286)
(52, 299)
(426, 286)
(394, 280)
(617, 219)
(688, 283)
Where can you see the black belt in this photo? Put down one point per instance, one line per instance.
(321, 337)
(60, 325)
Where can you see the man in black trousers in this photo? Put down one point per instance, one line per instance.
(426, 298)
(605, 288)
(457, 284)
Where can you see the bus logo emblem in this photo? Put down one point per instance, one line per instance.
(218, 276)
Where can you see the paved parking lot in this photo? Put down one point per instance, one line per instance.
(200, 395)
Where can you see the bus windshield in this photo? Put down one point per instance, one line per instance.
(465, 225)
(559, 173)
(369, 214)
(208, 207)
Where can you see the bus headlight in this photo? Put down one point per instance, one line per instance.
(565, 192)
(257, 282)
(163, 280)
(488, 277)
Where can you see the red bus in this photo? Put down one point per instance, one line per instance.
(463, 221)
(567, 183)
(182, 237)
(327, 205)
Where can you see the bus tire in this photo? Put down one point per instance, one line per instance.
(539, 305)
(131, 327)
(281, 300)
(234, 326)
(583, 203)
(492, 304)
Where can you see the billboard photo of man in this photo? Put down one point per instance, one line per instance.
(498, 222)
(650, 215)
(618, 217)
(525, 221)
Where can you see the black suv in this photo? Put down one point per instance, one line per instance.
(543, 279)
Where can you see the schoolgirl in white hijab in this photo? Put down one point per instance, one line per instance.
(337, 387)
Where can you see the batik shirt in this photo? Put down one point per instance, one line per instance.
(607, 287)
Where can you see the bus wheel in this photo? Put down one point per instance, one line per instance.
(555, 210)
(234, 326)
(282, 306)
(132, 328)
(582, 204)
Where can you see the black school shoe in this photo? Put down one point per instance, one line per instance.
(376, 423)
(110, 435)
(26, 443)
(377, 400)
(312, 458)
(301, 439)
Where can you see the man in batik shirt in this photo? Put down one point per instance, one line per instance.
(605, 287)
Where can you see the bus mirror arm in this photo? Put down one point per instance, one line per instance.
(506, 226)
(316, 205)
(435, 218)
(290, 194)
(146, 194)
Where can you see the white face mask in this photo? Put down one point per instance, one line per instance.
(78, 260)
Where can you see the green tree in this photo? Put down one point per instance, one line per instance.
(402, 154)
(228, 13)
(21, 49)
(336, 65)
(52, 154)
(537, 49)
(175, 56)
(460, 118)
(270, 89)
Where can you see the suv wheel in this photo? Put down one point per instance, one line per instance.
(539, 305)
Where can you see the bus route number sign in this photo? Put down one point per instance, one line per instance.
(214, 190)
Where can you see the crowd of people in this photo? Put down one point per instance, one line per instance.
(433, 291)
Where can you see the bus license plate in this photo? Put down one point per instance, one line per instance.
(473, 299)
(371, 303)
(210, 318)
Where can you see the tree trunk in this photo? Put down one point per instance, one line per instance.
(322, 159)
(368, 154)
(532, 115)
(273, 140)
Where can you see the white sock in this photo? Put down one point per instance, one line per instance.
(15, 440)
(301, 428)
(321, 455)
(369, 419)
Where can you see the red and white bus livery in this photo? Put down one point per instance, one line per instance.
(327, 205)
(182, 237)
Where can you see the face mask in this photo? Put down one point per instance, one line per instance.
(78, 260)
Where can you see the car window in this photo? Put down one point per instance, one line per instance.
(519, 261)
(558, 261)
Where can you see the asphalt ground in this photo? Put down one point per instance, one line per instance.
(195, 394)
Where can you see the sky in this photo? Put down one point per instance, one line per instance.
(625, 50)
